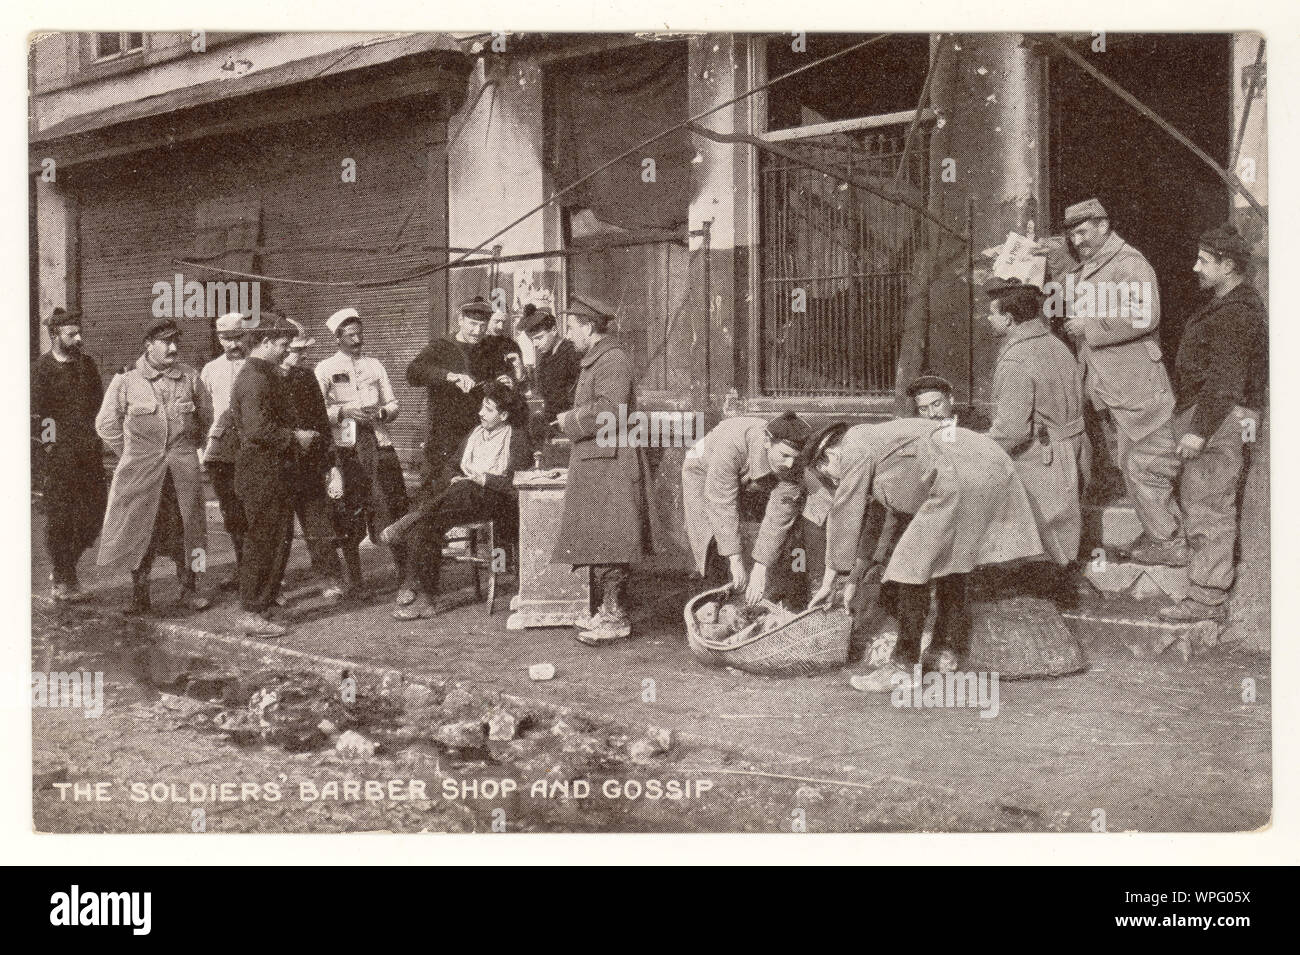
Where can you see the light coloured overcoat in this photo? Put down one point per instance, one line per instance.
(1038, 403)
(728, 461)
(154, 421)
(968, 504)
(1121, 352)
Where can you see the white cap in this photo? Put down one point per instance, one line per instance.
(335, 321)
(230, 322)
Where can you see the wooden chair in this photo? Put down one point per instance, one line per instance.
(472, 537)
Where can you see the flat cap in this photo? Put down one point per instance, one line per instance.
(165, 328)
(588, 307)
(232, 323)
(536, 319)
(1083, 211)
(929, 383)
(63, 316)
(789, 429)
(1225, 240)
(477, 307)
(341, 318)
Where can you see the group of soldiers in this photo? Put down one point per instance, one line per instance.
(918, 503)
(279, 439)
(915, 504)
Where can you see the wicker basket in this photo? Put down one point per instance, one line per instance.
(813, 641)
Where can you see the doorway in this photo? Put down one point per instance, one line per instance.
(1159, 195)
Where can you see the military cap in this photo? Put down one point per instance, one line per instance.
(341, 318)
(789, 429)
(63, 316)
(165, 328)
(476, 308)
(816, 446)
(1225, 240)
(536, 319)
(588, 307)
(1083, 211)
(929, 383)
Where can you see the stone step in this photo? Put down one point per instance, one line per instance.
(1109, 525)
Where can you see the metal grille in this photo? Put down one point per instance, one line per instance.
(848, 254)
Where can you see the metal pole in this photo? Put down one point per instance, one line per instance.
(708, 312)
(970, 301)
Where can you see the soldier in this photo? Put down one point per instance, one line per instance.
(968, 508)
(66, 393)
(359, 402)
(222, 445)
(606, 509)
(152, 418)
(746, 466)
(1222, 376)
(1120, 349)
(1038, 408)
(447, 367)
(556, 364)
(932, 397)
(310, 473)
(264, 470)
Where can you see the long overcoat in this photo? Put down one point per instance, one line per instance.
(969, 507)
(719, 474)
(154, 422)
(606, 511)
(68, 395)
(1038, 404)
(1122, 352)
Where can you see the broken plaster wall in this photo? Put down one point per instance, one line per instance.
(991, 98)
(495, 174)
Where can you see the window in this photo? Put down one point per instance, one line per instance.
(835, 262)
(111, 45)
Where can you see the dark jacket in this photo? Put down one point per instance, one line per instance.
(557, 379)
(1223, 359)
(606, 512)
(307, 411)
(452, 412)
(66, 396)
(260, 413)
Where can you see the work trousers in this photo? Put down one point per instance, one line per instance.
(912, 606)
(315, 516)
(167, 538)
(1150, 467)
(270, 521)
(374, 491)
(462, 503)
(222, 476)
(1208, 491)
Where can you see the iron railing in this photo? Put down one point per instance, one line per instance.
(843, 254)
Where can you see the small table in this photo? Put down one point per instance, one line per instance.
(550, 595)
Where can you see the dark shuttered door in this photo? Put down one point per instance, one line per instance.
(273, 202)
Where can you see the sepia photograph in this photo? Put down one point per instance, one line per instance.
(662, 431)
